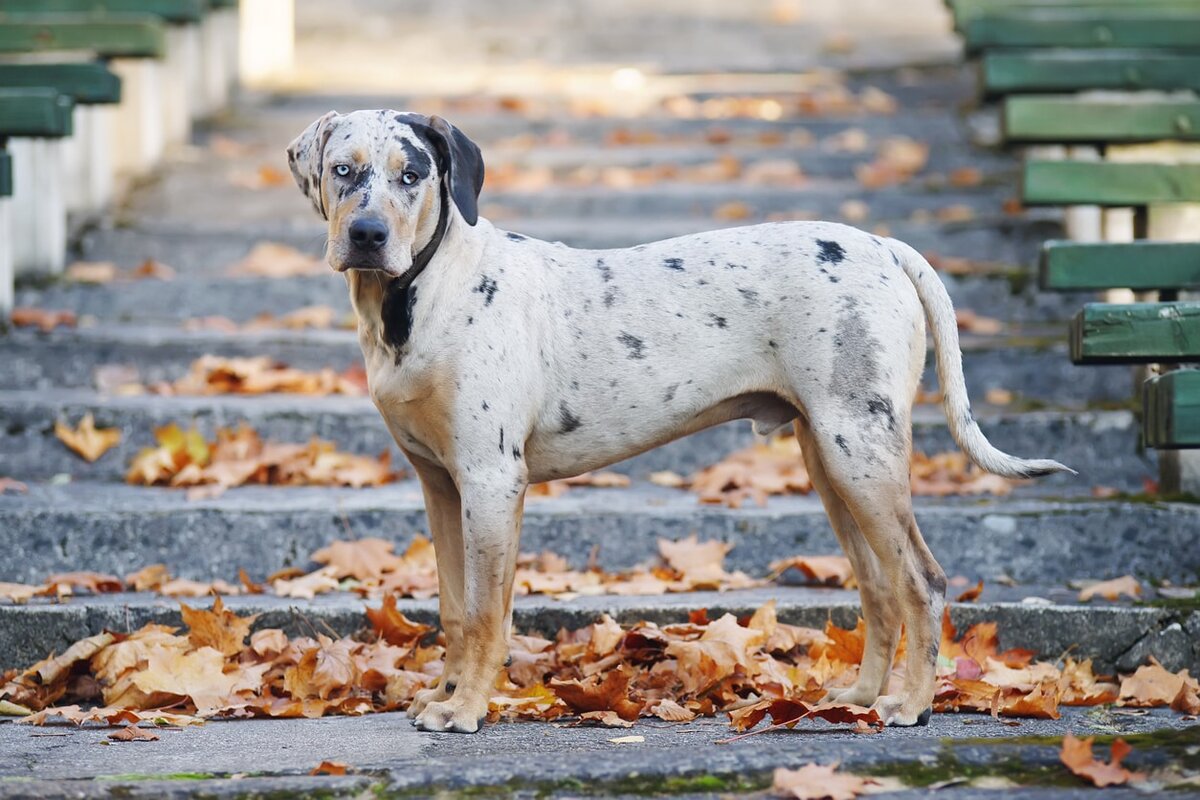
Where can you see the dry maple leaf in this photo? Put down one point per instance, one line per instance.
(1076, 754)
(94, 582)
(12, 485)
(611, 694)
(306, 587)
(18, 592)
(329, 768)
(820, 782)
(393, 627)
(45, 682)
(87, 441)
(970, 595)
(823, 570)
(42, 318)
(361, 559)
(199, 675)
(1153, 685)
(274, 260)
(133, 733)
(324, 670)
(149, 578)
(1112, 589)
(219, 628)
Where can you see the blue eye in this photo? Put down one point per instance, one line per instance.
(342, 170)
(409, 178)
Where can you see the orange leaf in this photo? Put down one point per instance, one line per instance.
(970, 595)
(362, 559)
(1076, 754)
(46, 319)
(816, 782)
(220, 628)
(88, 441)
(133, 733)
(609, 694)
(329, 768)
(1113, 589)
(393, 627)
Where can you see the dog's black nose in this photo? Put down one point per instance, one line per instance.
(368, 233)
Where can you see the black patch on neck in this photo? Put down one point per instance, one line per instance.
(831, 252)
(397, 313)
(569, 422)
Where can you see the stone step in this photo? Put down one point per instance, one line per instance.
(1043, 619)
(118, 529)
(1032, 363)
(1102, 444)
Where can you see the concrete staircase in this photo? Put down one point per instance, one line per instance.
(196, 219)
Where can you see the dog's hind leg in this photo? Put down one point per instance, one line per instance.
(443, 507)
(881, 614)
(871, 476)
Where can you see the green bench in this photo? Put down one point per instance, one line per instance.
(87, 82)
(1171, 410)
(1105, 120)
(1010, 71)
(109, 36)
(1155, 26)
(6, 250)
(36, 112)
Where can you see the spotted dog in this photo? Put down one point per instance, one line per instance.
(498, 360)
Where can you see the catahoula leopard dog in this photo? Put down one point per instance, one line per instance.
(498, 360)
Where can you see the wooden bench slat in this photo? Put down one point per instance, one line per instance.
(1108, 184)
(1123, 27)
(1171, 410)
(964, 10)
(38, 112)
(1008, 71)
(1074, 119)
(1141, 266)
(1151, 333)
(223, 3)
(6, 174)
(170, 10)
(88, 82)
(109, 36)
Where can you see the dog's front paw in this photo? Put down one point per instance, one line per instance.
(894, 712)
(455, 715)
(424, 697)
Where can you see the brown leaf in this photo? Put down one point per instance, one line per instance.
(91, 272)
(45, 319)
(87, 441)
(609, 694)
(148, 578)
(817, 782)
(1076, 754)
(1113, 589)
(273, 260)
(12, 485)
(133, 733)
(18, 592)
(220, 628)
(306, 587)
(94, 582)
(329, 768)
(362, 559)
(1153, 685)
(970, 595)
(393, 627)
(821, 570)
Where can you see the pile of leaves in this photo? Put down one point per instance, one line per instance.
(212, 375)
(603, 674)
(776, 467)
(238, 457)
(372, 569)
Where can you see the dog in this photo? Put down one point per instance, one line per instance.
(498, 360)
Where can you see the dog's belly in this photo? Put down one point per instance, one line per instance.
(551, 454)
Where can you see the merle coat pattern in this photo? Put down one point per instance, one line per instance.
(497, 360)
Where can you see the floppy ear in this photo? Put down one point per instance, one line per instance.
(462, 167)
(306, 157)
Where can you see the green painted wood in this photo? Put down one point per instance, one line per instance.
(169, 10)
(6, 174)
(1142, 266)
(1009, 71)
(1111, 119)
(1108, 184)
(1149, 333)
(1126, 27)
(964, 10)
(1171, 410)
(109, 36)
(88, 82)
(223, 3)
(35, 112)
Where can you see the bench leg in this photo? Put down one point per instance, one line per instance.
(138, 140)
(39, 208)
(214, 82)
(6, 258)
(176, 94)
(267, 39)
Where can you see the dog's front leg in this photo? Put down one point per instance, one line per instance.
(443, 507)
(491, 524)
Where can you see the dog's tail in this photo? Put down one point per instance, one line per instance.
(942, 324)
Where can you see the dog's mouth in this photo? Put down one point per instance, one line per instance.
(369, 264)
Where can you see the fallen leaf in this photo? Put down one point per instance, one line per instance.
(627, 739)
(45, 319)
(86, 440)
(362, 559)
(735, 210)
(91, 272)
(970, 595)
(329, 768)
(1153, 685)
(821, 570)
(274, 260)
(393, 627)
(218, 628)
(820, 782)
(1076, 754)
(12, 485)
(133, 733)
(1112, 589)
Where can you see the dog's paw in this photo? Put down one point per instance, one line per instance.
(895, 713)
(854, 695)
(424, 697)
(455, 715)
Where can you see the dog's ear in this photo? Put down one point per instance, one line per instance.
(462, 166)
(306, 157)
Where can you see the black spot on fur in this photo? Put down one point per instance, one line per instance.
(610, 297)
(670, 395)
(895, 258)
(485, 405)
(516, 453)
(397, 314)
(831, 252)
(415, 158)
(772, 343)
(487, 287)
(827, 274)
(502, 440)
(731, 265)
(841, 442)
(636, 346)
(750, 296)
(883, 406)
(673, 263)
(605, 270)
(719, 321)
(516, 237)
(569, 421)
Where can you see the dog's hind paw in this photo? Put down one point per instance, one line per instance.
(451, 716)
(894, 712)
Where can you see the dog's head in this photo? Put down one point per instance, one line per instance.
(386, 181)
